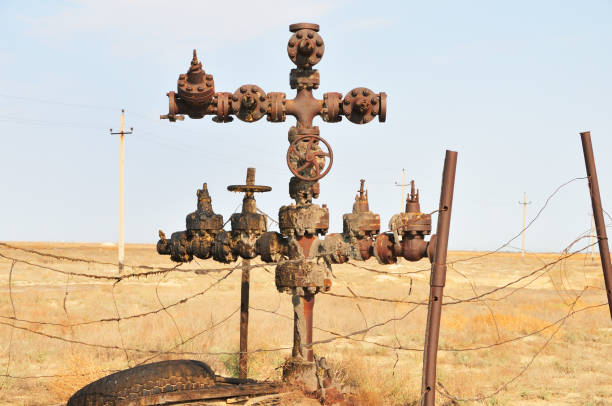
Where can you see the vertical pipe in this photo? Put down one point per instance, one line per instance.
(303, 312)
(600, 224)
(244, 319)
(244, 293)
(524, 216)
(437, 281)
(121, 242)
(308, 314)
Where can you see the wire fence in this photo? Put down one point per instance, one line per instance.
(31, 263)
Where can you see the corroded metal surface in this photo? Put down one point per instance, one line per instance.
(202, 227)
(437, 281)
(299, 220)
(361, 221)
(196, 96)
(302, 274)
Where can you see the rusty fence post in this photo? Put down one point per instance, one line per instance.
(437, 281)
(244, 319)
(600, 224)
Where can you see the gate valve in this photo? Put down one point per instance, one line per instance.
(361, 222)
(247, 225)
(412, 226)
(202, 227)
(196, 87)
(307, 160)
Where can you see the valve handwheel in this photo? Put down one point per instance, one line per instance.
(306, 159)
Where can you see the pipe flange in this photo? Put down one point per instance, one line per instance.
(332, 107)
(276, 107)
(224, 108)
(249, 103)
(305, 47)
(361, 105)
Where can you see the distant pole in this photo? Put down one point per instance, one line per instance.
(403, 184)
(600, 224)
(524, 203)
(121, 243)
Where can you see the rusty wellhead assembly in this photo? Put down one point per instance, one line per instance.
(302, 254)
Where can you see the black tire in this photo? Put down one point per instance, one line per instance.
(145, 380)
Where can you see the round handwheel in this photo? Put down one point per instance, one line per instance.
(306, 159)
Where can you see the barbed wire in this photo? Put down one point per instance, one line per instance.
(138, 356)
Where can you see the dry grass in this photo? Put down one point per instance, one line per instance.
(572, 370)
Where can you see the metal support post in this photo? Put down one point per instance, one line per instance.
(437, 281)
(600, 224)
(244, 318)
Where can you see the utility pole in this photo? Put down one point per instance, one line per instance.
(121, 243)
(524, 203)
(403, 184)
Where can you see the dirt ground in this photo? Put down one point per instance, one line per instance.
(546, 338)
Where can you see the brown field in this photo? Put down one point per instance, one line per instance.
(572, 357)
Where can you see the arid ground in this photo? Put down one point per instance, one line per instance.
(545, 338)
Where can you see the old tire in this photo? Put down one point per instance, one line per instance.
(143, 381)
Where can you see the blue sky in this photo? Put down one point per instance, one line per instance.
(507, 84)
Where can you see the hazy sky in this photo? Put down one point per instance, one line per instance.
(509, 85)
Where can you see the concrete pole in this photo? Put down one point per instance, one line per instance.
(524, 217)
(524, 203)
(121, 244)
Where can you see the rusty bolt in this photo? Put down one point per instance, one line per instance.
(181, 84)
(209, 84)
(200, 89)
(310, 35)
(188, 89)
(365, 92)
(319, 54)
(242, 89)
(262, 98)
(319, 42)
(347, 102)
(299, 35)
(291, 43)
(262, 109)
(354, 93)
(235, 98)
(182, 76)
(373, 101)
(209, 77)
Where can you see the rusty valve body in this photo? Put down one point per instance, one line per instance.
(195, 96)
(202, 227)
(412, 226)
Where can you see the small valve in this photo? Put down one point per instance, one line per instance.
(361, 222)
(196, 87)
